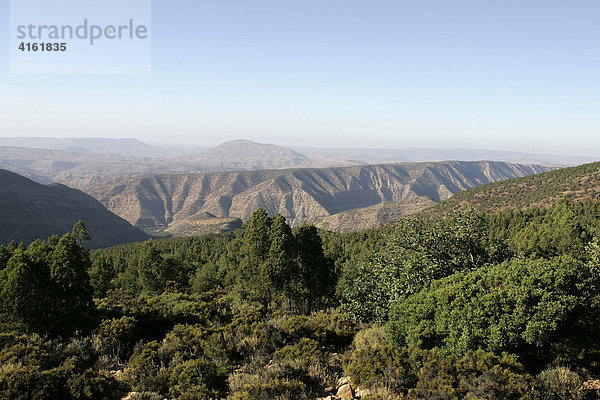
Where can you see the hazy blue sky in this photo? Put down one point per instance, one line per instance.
(517, 75)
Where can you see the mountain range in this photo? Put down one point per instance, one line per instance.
(164, 201)
(125, 147)
(379, 156)
(189, 191)
(80, 166)
(80, 162)
(29, 210)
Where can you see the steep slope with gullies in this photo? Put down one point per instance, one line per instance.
(30, 211)
(159, 201)
(374, 216)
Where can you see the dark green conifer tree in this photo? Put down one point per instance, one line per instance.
(252, 276)
(153, 270)
(45, 288)
(281, 266)
(317, 278)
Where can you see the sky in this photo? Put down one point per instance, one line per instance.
(504, 75)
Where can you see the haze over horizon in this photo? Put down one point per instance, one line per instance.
(497, 75)
(197, 146)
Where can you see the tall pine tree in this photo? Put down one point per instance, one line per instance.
(281, 267)
(252, 277)
(316, 275)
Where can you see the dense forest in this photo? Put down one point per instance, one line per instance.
(472, 306)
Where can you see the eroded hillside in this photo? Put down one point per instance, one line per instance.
(160, 201)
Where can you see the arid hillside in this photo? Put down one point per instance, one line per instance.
(162, 201)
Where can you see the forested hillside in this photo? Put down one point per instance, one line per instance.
(477, 306)
(541, 190)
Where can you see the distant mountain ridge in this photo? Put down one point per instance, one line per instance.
(29, 211)
(379, 156)
(248, 155)
(78, 167)
(320, 157)
(81, 162)
(159, 201)
(124, 147)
